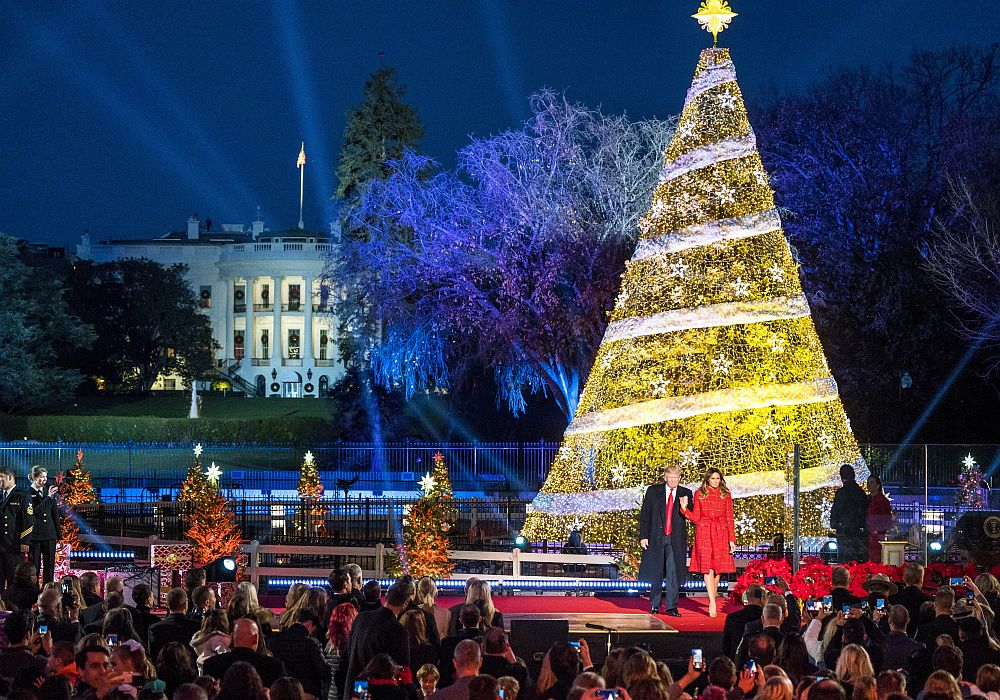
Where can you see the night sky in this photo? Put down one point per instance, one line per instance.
(124, 118)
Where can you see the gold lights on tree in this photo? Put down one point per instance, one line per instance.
(714, 16)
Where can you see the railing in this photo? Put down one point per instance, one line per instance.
(232, 374)
(263, 307)
(293, 306)
(260, 361)
(291, 361)
(239, 308)
(323, 362)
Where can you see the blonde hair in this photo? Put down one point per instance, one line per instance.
(639, 666)
(776, 688)
(480, 590)
(428, 671)
(865, 689)
(987, 583)
(416, 627)
(426, 592)
(853, 664)
(943, 683)
(250, 591)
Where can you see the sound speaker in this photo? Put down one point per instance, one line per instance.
(978, 534)
(532, 638)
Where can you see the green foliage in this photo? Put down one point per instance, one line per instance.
(37, 333)
(147, 322)
(377, 131)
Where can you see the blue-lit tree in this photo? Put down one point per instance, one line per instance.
(512, 260)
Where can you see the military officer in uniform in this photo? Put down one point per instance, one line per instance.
(47, 524)
(15, 526)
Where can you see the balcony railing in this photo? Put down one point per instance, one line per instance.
(240, 308)
(263, 307)
(293, 306)
(291, 361)
(261, 362)
(325, 363)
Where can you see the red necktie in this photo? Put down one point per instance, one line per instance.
(670, 514)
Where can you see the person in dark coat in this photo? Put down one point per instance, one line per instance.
(469, 628)
(17, 655)
(771, 616)
(15, 526)
(499, 659)
(175, 627)
(301, 653)
(379, 632)
(246, 638)
(732, 629)
(912, 596)
(663, 538)
(142, 615)
(841, 594)
(23, 593)
(467, 661)
(47, 523)
(899, 647)
(976, 649)
(848, 517)
(943, 622)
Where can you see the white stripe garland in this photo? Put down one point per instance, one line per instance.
(722, 401)
(731, 313)
(734, 228)
(709, 154)
(713, 76)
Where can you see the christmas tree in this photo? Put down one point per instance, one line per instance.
(74, 490)
(711, 358)
(970, 493)
(212, 526)
(311, 489)
(424, 551)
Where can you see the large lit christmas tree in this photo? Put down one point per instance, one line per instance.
(426, 524)
(74, 490)
(212, 528)
(711, 358)
(311, 489)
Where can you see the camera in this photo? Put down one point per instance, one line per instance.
(697, 660)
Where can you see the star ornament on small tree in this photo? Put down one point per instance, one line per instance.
(308, 458)
(427, 483)
(213, 473)
(714, 16)
(198, 449)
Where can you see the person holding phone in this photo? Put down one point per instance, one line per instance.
(715, 534)
(663, 538)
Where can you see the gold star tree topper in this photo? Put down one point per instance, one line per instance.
(714, 16)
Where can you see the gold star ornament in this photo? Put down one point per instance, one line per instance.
(714, 16)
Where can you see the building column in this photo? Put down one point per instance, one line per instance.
(228, 346)
(277, 342)
(307, 331)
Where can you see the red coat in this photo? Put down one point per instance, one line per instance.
(713, 514)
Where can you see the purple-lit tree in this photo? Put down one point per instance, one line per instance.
(509, 262)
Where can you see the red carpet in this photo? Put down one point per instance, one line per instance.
(694, 611)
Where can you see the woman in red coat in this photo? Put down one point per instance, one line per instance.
(715, 534)
(879, 520)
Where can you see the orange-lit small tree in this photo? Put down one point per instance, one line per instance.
(75, 489)
(426, 525)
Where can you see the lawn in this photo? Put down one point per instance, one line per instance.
(214, 405)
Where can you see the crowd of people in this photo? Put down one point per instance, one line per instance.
(351, 640)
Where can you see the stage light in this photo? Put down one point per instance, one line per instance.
(221, 570)
(936, 546)
(828, 552)
(521, 542)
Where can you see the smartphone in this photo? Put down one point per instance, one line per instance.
(501, 694)
(66, 588)
(845, 609)
(770, 580)
(828, 602)
(971, 595)
(880, 604)
(752, 667)
(864, 605)
(112, 640)
(361, 690)
(956, 581)
(609, 693)
(697, 660)
(43, 629)
(813, 605)
(575, 645)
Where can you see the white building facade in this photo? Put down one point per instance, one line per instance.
(270, 315)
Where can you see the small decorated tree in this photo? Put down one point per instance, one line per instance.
(311, 490)
(75, 489)
(970, 493)
(212, 528)
(195, 483)
(426, 524)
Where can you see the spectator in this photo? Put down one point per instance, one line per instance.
(613, 665)
(203, 599)
(62, 661)
(467, 662)
(560, 667)
(777, 688)
(379, 632)
(427, 679)
(287, 688)
(827, 690)
(264, 616)
(23, 592)
(355, 573)
(861, 630)
(383, 677)
(93, 659)
(371, 596)
(338, 633)
(421, 650)
(242, 682)
(771, 618)
(890, 682)
(469, 621)
(175, 662)
(483, 687)
(142, 614)
(426, 598)
(55, 688)
(192, 580)
(313, 600)
(865, 689)
(93, 613)
(853, 664)
(208, 684)
(977, 650)
(21, 638)
(509, 687)
(988, 681)
(89, 585)
(649, 689)
(879, 587)
(130, 657)
(300, 651)
(949, 660)
(499, 659)
(295, 591)
(455, 611)
(246, 640)
(112, 601)
(944, 684)
(175, 627)
(732, 629)
(587, 679)
(50, 614)
(213, 638)
(722, 673)
(119, 622)
(943, 622)
(899, 648)
(912, 596)
(341, 591)
(480, 591)
(794, 658)
(430, 626)
(840, 579)
(639, 667)
(190, 691)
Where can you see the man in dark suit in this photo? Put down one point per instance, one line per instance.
(663, 538)
(455, 610)
(15, 526)
(976, 650)
(899, 648)
(943, 622)
(499, 659)
(771, 616)
(468, 621)
(175, 627)
(246, 637)
(732, 629)
(379, 632)
(302, 654)
(848, 517)
(142, 615)
(47, 524)
(841, 579)
(912, 596)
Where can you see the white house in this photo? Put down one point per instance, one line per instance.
(262, 292)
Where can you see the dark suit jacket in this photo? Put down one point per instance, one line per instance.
(652, 520)
(47, 523)
(142, 620)
(92, 613)
(375, 632)
(269, 667)
(975, 654)
(842, 597)
(303, 658)
(430, 624)
(942, 624)
(498, 666)
(911, 598)
(743, 655)
(15, 522)
(20, 596)
(733, 628)
(898, 650)
(175, 627)
(448, 644)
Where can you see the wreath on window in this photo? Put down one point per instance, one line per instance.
(293, 338)
(308, 388)
(206, 294)
(275, 386)
(239, 295)
(322, 340)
